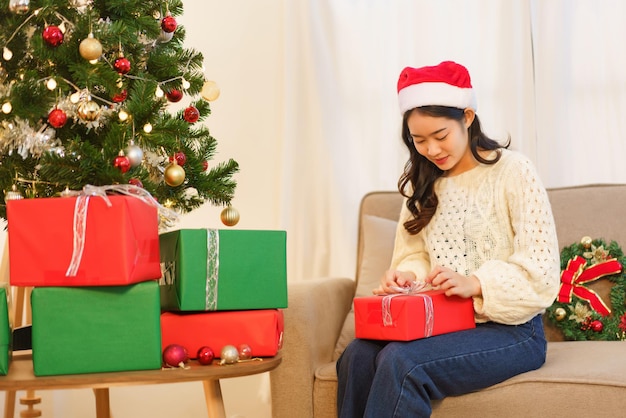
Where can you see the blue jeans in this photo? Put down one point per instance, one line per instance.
(379, 379)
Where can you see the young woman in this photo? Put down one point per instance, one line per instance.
(477, 223)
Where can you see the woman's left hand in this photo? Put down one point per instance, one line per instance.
(454, 283)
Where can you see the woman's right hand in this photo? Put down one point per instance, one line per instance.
(394, 279)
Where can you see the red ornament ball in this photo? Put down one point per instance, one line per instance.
(122, 65)
(174, 95)
(57, 118)
(52, 35)
(596, 326)
(191, 114)
(245, 352)
(135, 182)
(175, 355)
(169, 24)
(122, 163)
(205, 355)
(180, 157)
(120, 97)
(205, 165)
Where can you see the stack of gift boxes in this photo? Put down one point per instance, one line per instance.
(102, 303)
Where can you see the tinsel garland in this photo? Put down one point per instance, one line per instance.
(576, 317)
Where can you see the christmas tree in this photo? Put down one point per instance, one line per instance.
(86, 88)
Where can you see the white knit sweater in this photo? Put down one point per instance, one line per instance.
(495, 222)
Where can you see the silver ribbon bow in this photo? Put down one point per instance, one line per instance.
(415, 289)
(166, 216)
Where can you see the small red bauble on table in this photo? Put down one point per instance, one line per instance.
(57, 118)
(205, 355)
(52, 35)
(191, 114)
(175, 355)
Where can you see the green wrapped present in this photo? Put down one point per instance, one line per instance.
(217, 270)
(5, 332)
(96, 329)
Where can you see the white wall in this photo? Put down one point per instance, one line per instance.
(241, 41)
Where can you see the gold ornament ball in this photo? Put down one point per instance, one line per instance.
(88, 111)
(559, 314)
(174, 174)
(586, 242)
(230, 216)
(19, 7)
(210, 91)
(90, 48)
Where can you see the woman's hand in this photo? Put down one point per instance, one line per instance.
(454, 283)
(394, 278)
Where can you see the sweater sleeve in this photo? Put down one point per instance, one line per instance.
(409, 253)
(518, 288)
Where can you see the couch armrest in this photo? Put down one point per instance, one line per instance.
(313, 321)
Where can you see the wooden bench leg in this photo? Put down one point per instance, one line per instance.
(9, 404)
(102, 403)
(214, 401)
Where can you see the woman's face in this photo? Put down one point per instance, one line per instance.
(443, 141)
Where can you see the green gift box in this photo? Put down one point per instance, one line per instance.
(217, 270)
(5, 332)
(96, 329)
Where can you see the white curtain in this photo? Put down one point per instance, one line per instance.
(549, 74)
(342, 122)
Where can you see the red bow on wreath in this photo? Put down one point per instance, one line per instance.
(576, 275)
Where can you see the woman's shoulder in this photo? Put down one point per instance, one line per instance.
(511, 160)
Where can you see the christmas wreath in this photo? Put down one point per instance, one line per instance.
(578, 311)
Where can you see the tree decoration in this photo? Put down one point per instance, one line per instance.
(57, 118)
(180, 158)
(121, 162)
(169, 24)
(191, 114)
(174, 95)
(13, 194)
(122, 65)
(52, 35)
(90, 48)
(19, 7)
(134, 154)
(229, 216)
(174, 175)
(120, 97)
(579, 312)
(88, 111)
(229, 354)
(175, 355)
(210, 91)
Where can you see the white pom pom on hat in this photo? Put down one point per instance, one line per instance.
(446, 84)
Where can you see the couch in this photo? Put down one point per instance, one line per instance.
(579, 378)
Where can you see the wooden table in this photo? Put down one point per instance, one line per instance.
(21, 377)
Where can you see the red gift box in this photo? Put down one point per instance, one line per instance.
(121, 242)
(261, 329)
(410, 317)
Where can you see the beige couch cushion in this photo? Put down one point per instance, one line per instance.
(378, 237)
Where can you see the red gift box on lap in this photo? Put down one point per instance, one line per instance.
(261, 329)
(410, 317)
(121, 241)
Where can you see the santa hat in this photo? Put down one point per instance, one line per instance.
(446, 84)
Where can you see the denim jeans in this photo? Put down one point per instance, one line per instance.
(379, 379)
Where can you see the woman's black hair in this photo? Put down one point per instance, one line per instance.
(422, 174)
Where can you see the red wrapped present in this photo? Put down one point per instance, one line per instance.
(261, 329)
(402, 317)
(55, 242)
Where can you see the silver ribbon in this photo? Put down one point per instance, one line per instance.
(212, 268)
(166, 216)
(415, 289)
